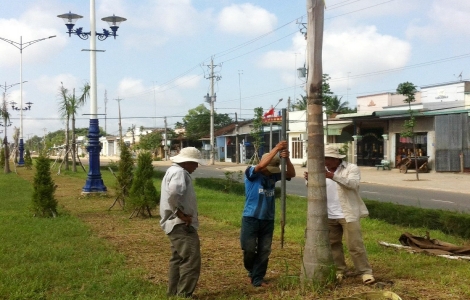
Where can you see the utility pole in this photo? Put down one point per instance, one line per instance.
(237, 147)
(240, 72)
(317, 264)
(45, 129)
(105, 115)
(165, 147)
(120, 127)
(212, 110)
(211, 99)
(155, 106)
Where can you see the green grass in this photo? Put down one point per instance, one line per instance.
(59, 258)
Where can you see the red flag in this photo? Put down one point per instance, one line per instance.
(269, 113)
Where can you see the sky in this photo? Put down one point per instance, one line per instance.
(159, 65)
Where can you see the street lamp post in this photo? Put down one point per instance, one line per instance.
(94, 182)
(21, 46)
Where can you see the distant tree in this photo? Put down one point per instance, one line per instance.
(409, 90)
(16, 136)
(44, 203)
(2, 158)
(143, 195)
(6, 120)
(197, 122)
(132, 131)
(301, 103)
(151, 142)
(256, 133)
(28, 161)
(68, 106)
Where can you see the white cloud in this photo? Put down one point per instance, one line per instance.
(177, 17)
(51, 85)
(130, 86)
(449, 18)
(190, 81)
(361, 50)
(356, 51)
(246, 19)
(26, 27)
(286, 61)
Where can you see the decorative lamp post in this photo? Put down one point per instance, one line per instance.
(94, 182)
(21, 46)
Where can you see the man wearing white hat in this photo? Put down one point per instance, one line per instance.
(258, 215)
(179, 220)
(345, 208)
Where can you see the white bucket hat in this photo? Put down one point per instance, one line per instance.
(188, 154)
(273, 166)
(331, 151)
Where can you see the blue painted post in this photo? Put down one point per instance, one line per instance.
(94, 182)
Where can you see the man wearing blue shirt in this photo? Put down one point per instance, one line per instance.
(258, 215)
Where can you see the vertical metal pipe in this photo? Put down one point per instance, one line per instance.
(283, 177)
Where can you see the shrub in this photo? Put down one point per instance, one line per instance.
(2, 157)
(143, 195)
(446, 221)
(125, 168)
(43, 202)
(28, 161)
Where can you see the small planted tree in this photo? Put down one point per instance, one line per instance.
(143, 195)
(256, 133)
(124, 176)
(2, 158)
(409, 90)
(43, 202)
(28, 161)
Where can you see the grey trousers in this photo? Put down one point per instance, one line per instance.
(354, 242)
(185, 261)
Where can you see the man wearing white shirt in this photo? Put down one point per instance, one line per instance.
(179, 220)
(345, 208)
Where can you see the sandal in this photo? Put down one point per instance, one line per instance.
(368, 279)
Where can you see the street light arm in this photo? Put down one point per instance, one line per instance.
(21, 46)
(16, 44)
(36, 41)
(6, 87)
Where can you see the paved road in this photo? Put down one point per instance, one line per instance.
(425, 198)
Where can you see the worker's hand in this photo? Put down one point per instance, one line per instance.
(281, 145)
(306, 175)
(187, 219)
(284, 153)
(329, 174)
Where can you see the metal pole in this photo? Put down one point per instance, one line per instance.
(165, 147)
(283, 177)
(94, 182)
(237, 147)
(212, 113)
(21, 146)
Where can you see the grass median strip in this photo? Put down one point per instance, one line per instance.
(89, 252)
(59, 258)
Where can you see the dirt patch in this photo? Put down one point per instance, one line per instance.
(146, 247)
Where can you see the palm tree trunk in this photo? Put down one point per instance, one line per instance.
(74, 147)
(317, 264)
(67, 144)
(6, 153)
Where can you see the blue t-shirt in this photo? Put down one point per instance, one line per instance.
(259, 193)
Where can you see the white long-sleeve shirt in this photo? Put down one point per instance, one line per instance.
(177, 192)
(348, 177)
